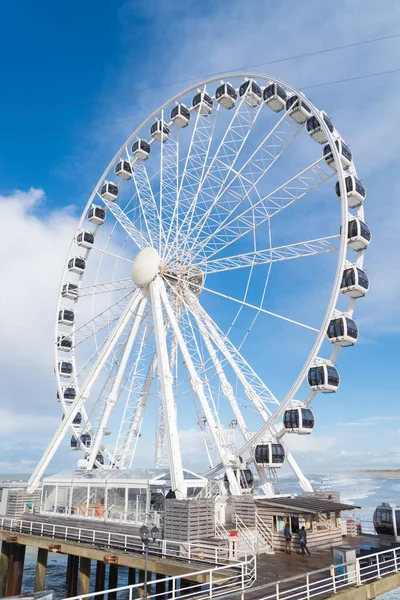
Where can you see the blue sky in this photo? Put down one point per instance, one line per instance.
(77, 80)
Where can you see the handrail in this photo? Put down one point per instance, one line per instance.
(266, 532)
(196, 551)
(248, 536)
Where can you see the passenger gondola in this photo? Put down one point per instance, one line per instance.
(74, 443)
(297, 109)
(342, 331)
(226, 95)
(246, 478)
(65, 368)
(298, 419)
(314, 128)
(86, 440)
(69, 393)
(323, 378)
(356, 191)
(275, 97)
(64, 342)
(66, 316)
(345, 155)
(85, 239)
(251, 93)
(70, 291)
(100, 459)
(77, 419)
(358, 235)
(76, 264)
(202, 103)
(269, 454)
(180, 115)
(386, 520)
(109, 191)
(141, 149)
(159, 131)
(123, 169)
(355, 282)
(96, 214)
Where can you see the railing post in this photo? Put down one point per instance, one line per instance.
(109, 539)
(333, 575)
(395, 559)
(358, 573)
(211, 584)
(277, 590)
(242, 594)
(54, 531)
(378, 569)
(41, 530)
(173, 588)
(126, 542)
(308, 585)
(66, 533)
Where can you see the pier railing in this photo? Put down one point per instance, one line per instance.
(221, 581)
(196, 551)
(327, 582)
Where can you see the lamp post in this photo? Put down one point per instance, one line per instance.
(145, 534)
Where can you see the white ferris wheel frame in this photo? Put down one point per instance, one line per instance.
(157, 292)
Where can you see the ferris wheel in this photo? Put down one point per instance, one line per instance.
(212, 236)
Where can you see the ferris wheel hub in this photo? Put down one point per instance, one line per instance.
(145, 266)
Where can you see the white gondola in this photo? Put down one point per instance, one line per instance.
(76, 264)
(386, 520)
(297, 109)
(123, 169)
(141, 149)
(109, 191)
(77, 419)
(358, 235)
(70, 291)
(356, 191)
(246, 478)
(314, 128)
(69, 393)
(180, 115)
(275, 97)
(85, 239)
(97, 214)
(65, 368)
(345, 154)
(86, 440)
(298, 419)
(74, 443)
(342, 331)
(202, 103)
(323, 378)
(355, 282)
(251, 93)
(64, 342)
(269, 454)
(100, 459)
(159, 131)
(66, 316)
(226, 95)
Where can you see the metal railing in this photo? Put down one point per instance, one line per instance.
(179, 550)
(250, 538)
(326, 582)
(265, 533)
(221, 581)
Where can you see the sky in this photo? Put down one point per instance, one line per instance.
(79, 78)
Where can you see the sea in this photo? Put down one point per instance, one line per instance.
(357, 489)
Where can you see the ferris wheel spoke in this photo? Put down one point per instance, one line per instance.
(103, 319)
(271, 255)
(220, 167)
(248, 177)
(148, 205)
(115, 390)
(169, 182)
(264, 209)
(134, 233)
(105, 252)
(107, 286)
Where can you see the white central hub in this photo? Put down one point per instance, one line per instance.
(145, 266)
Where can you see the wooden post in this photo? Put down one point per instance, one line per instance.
(84, 576)
(72, 575)
(41, 567)
(4, 565)
(112, 581)
(100, 582)
(16, 570)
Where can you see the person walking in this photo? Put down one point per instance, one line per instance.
(303, 541)
(288, 539)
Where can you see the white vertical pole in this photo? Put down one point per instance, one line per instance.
(166, 379)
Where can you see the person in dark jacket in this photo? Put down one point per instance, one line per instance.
(288, 539)
(303, 541)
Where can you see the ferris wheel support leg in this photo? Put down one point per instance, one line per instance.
(113, 396)
(304, 482)
(171, 422)
(197, 387)
(85, 391)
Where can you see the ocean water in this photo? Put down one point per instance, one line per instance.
(358, 489)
